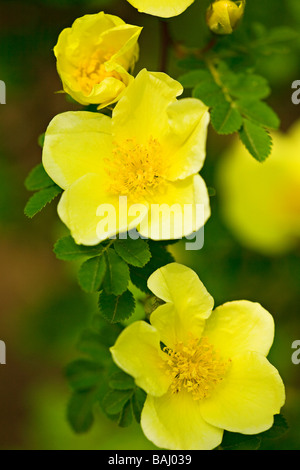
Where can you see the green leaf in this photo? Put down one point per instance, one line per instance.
(80, 410)
(107, 332)
(91, 274)
(236, 441)
(117, 274)
(67, 250)
(194, 77)
(225, 118)
(83, 374)
(121, 381)
(91, 343)
(134, 252)
(41, 140)
(259, 112)
(116, 308)
(138, 401)
(38, 179)
(279, 428)
(256, 139)
(126, 415)
(115, 401)
(273, 41)
(40, 199)
(190, 63)
(208, 92)
(244, 85)
(160, 257)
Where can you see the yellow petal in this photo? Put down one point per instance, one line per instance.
(137, 352)
(248, 398)
(224, 16)
(76, 144)
(240, 326)
(188, 303)
(107, 91)
(148, 110)
(177, 209)
(261, 202)
(164, 9)
(174, 422)
(186, 138)
(171, 328)
(70, 50)
(92, 214)
(87, 52)
(141, 113)
(123, 40)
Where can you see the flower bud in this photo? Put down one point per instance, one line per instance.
(223, 16)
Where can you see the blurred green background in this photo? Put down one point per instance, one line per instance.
(42, 309)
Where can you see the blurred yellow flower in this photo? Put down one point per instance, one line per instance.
(148, 154)
(95, 56)
(162, 8)
(223, 16)
(203, 371)
(260, 202)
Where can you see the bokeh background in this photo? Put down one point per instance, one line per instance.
(42, 309)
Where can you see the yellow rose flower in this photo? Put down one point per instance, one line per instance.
(95, 56)
(260, 202)
(223, 16)
(203, 371)
(147, 155)
(162, 8)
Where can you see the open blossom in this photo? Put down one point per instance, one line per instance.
(203, 371)
(95, 57)
(261, 201)
(162, 8)
(148, 154)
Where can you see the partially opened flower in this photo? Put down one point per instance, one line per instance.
(261, 201)
(203, 371)
(95, 57)
(138, 167)
(162, 8)
(223, 16)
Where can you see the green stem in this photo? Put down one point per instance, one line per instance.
(216, 76)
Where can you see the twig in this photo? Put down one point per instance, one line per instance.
(166, 43)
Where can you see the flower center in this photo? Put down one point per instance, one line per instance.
(195, 367)
(136, 169)
(92, 71)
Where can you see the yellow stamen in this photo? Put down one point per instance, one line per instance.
(136, 169)
(92, 71)
(195, 367)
